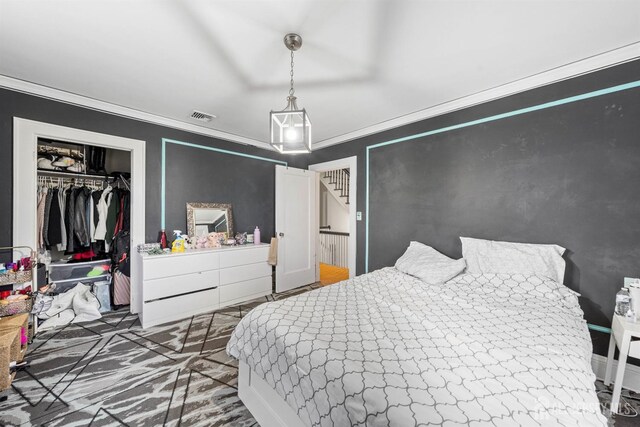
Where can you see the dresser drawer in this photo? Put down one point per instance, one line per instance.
(242, 291)
(178, 265)
(176, 285)
(181, 307)
(244, 256)
(244, 272)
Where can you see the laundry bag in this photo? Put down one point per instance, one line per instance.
(121, 289)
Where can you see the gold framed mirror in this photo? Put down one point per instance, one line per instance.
(205, 218)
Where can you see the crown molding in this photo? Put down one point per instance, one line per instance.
(564, 72)
(584, 66)
(118, 110)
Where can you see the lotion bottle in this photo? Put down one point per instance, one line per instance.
(256, 236)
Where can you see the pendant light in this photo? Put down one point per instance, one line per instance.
(291, 128)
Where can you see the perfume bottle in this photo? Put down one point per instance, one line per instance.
(162, 239)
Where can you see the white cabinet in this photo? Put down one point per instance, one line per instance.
(177, 286)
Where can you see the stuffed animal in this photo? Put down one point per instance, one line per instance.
(213, 240)
(190, 242)
(202, 242)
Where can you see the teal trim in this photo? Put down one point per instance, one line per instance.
(163, 184)
(366, 230)
(220, 150)
(599, 328)
(521, 111)
(163, 196)
(563, 101)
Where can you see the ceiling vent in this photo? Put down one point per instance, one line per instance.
(203, 117)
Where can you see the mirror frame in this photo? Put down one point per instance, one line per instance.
(191, 219)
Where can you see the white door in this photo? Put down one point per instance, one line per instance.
(296, 227)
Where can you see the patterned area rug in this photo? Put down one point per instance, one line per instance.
(111, 372)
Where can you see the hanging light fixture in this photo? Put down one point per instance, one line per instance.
(291, 127)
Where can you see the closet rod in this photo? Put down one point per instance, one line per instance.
(72, 174)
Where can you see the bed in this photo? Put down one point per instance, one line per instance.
(387, 349)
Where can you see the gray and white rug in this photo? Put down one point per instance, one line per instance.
(111, 372)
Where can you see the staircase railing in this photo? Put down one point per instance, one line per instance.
(334, 248)
(340, 179)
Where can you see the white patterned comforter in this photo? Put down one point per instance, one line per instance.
(386, 349)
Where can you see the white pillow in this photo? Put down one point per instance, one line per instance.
(489, 256)
(429, 265)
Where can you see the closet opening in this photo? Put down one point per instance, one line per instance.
(79, 201)
(84, 199)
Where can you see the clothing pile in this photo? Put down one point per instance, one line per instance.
(81, 221)
(76, 305)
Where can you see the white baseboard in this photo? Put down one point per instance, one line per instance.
(631, 379)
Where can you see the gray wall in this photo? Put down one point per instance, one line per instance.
(246, 183)
(567, 175)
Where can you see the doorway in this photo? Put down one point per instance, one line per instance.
(336, 235)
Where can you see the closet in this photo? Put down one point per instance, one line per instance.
(83, 218)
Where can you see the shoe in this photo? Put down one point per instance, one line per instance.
(76, 168)
(64, 162)
(91, 162)
(46, 163)
(100, 157)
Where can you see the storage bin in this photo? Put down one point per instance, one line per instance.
(16, 307)
(64, 285)
(15, 277)
(11, 348)
(103, 294)
(59, 271)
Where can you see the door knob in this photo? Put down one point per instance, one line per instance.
(281, 234)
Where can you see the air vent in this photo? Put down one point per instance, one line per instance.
(203, 117)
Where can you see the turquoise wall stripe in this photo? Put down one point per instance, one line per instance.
(166, 141)
(366, 230)
(599, 328)
(163, 184)
(220, 150)
(563, 101)
(521, 111)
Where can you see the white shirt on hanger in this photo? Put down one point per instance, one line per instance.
(103, 206)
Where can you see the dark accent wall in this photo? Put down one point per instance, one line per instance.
(246, 183)
(568, 175)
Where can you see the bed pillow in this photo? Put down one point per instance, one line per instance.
(429, 265)
(489, 256)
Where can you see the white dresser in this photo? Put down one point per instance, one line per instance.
(177, 286)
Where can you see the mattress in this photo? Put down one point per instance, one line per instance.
(386, 349)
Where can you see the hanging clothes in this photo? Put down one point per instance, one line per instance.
(80, 224)
(63, 229)
(112, 218)
(54, 230)
(45, 221)
(103, 208)
(42, 197)
(69, 220)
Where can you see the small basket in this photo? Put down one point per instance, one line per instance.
(16, 307)
(23, 276)
(15, 277)
(8, 278)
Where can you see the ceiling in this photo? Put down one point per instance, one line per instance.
(364, 65)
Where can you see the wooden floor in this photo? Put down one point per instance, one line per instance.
(332, 274)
